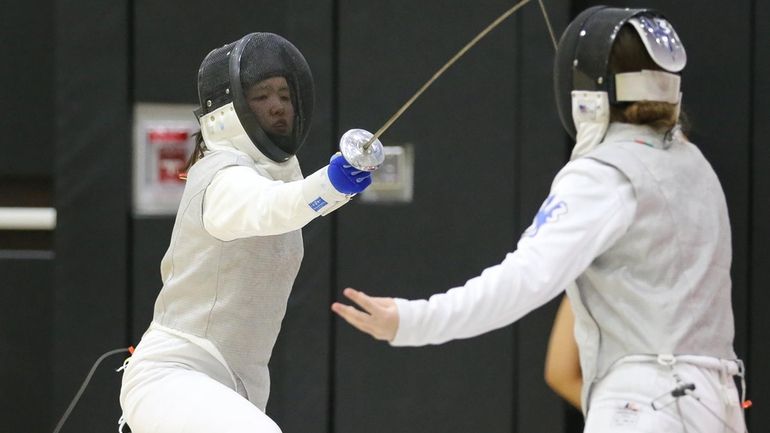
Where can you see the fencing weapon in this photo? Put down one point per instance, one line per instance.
(363, 149)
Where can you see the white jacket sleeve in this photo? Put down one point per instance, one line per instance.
(241, 203)
(589, 207)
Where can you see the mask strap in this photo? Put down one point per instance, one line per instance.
(647, 85)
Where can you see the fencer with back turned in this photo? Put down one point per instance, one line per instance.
(635, 223)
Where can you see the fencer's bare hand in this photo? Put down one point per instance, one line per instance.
(379, 318)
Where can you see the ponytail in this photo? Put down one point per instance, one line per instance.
(659, 115)
(200, 147)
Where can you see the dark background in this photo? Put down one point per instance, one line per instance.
(487, 143)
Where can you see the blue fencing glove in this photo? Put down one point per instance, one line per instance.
(345, 178)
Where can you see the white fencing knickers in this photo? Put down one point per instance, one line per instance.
(622, 401)
(172, 385)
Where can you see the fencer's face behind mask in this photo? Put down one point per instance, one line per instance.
(270, 100)
(256, 93)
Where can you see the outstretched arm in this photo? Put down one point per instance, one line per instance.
(590, 207)
(240, 202)
(379, 318)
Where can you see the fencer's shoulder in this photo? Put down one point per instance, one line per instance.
(583, 164)
(228, 157)
(589, 172)
(608, 150)
(215, 161)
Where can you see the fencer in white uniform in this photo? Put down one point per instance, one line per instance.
(635, 228)
(236, 246)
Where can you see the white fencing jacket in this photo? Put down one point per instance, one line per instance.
(589, 207)
(235, 251)
(641, 225)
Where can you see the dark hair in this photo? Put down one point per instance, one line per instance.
(197, 153)
(629, 55)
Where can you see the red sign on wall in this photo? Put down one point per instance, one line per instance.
(171, 148)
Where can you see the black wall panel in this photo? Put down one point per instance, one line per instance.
(171, 39)
(543, 149)
(28, 89)
(759, 330)
(26, 170)
(487, 143)
(92, 199)
(463, 217)
(25, 339)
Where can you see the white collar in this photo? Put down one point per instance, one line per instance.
(642, 134)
